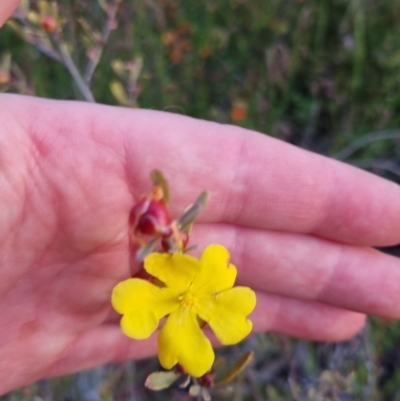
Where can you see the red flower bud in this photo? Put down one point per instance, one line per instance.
(150, 217)
(49, 23)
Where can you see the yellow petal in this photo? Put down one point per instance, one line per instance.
(175, 271)
(226, 314)
(182, 341)
(216, 273)
(143, 305)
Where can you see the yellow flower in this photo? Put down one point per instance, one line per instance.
(193, 289)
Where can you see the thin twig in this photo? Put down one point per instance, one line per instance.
(108, 27)
(63, 57)
(364, 141)
(33, 40)
(73, 70)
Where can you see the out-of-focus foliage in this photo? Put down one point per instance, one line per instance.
(316, 73)
(322, 74)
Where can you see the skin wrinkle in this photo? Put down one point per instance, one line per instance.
(23, 218)
(303, 216)
(318, 285)
(39, 362)
(308, 212)
(124, 349)
(334, 208)
(329, 321)
(108, 269)
(325, 286)
(39, 187)
(241, 241)
(61, 193)
(14, 185)
(375, 302)
(33, 315)
(239, 181)
(107, 277)
(330, 207)
(58, 361)
(35, 262)
(108, 142)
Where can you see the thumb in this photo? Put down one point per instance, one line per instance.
(6, 9)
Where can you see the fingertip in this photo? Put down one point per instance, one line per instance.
(347, 325)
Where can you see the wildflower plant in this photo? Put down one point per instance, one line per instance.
(181, 295)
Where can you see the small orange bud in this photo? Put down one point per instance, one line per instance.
(238, 112)
(4, 77)
(49, 23)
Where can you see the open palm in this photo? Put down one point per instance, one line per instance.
(299, 227)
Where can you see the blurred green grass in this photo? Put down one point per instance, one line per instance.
(321, 74)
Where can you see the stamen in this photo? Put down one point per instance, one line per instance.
(188, 300)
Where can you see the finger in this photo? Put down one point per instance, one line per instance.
(260, 182)
(292, 317)
(6, 9)
(256, 181)
(301, 266)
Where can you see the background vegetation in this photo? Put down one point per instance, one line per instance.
(321, 74)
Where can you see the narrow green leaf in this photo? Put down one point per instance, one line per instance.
(219, 364)
(146, 249)
(193, 211)
(161, 380)
(191, 248)
(103, 4)
(236, 369)
(118, 91)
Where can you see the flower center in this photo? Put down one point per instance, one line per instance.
(188, 300)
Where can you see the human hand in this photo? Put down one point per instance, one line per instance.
(299, 228)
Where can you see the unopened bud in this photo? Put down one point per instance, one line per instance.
(4, 77)
(150, 217)
(49, 23)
